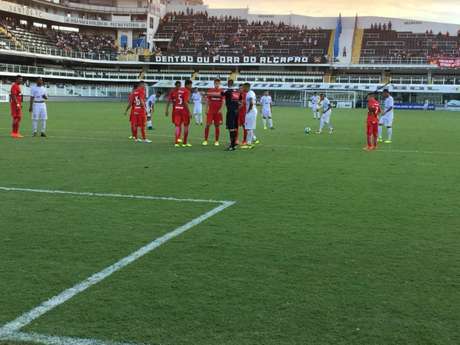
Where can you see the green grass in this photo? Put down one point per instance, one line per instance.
(326, 245)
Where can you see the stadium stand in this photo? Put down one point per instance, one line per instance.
(43, 39)
(382, 44)
(202, 35)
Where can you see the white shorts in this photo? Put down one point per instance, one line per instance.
(386, 120)
(251, 120)
(326, 117)
(39, 111)
(197, 108)
(314, 108)
(266, 113)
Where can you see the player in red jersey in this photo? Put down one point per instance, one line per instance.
(215, 100)
(374, 111)
(139, 113)
(16, 107)
(180, 98)
(131, 113)
(242, 115)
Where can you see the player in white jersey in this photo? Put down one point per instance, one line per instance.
(266, 102)
(197, 100)
(251, 116)
(326, 110)
(38, 108)
(315, 99)
(387, 118)
(151, 108)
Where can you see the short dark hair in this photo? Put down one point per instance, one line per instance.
(247, 84)
(230, 82)
(188, 82)
(217, 80)
(386, 90)
(178, 83)
(18, 76)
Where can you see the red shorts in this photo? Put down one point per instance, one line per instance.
(139, 119)
(372, 128)
(15, 111)
(241, 118)
(181, 117)
(214, 117)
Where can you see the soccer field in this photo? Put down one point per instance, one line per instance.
(326, 244)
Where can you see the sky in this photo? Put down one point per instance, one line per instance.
(429, 10)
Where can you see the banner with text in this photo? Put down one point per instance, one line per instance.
(234, 60)
(446, 62)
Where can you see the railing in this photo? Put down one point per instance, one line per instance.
(8, 45)
(393, 60)
(91, 75)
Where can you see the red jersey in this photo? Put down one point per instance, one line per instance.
(16, 92)
(180, 98)
(215, 99)
(137, 100)
(374, 110)
(243, 102)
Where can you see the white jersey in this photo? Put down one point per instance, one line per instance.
(39, 111)
(151, 100)
(251, 98)
(196, 97)
(314, 101)
(387, 104)
(38, 93)
(266, 102)
(326, 104)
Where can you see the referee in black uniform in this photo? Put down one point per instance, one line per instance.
(232, 102)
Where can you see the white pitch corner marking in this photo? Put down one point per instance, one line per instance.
(10, 329)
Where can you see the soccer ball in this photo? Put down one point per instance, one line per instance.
(307, 130)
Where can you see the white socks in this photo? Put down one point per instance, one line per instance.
(198, 119)
(35, 126)
(264, 121)
(270, 123)
(149, 124)
(390, 133)
(380, 131)
(250, 137)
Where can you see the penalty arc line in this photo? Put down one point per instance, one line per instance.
(12, 327)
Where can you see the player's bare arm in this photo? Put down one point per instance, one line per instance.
(167, 108)
(31, 103)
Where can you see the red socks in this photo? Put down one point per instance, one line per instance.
(143, 133)
(16, 121)
(185, 134)
(206, 133)
(178, 131)
(134, 131)
(245, 135)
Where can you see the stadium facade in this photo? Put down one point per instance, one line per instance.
(98, 48)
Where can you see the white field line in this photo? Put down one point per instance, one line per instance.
(110, 195)
(53, 340)
(26, 318)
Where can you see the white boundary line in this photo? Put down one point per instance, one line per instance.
(109, 195)
(10, 331)
(53, 340)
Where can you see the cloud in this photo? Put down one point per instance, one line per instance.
(435, 10)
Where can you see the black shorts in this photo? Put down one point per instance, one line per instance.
(232, 119)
